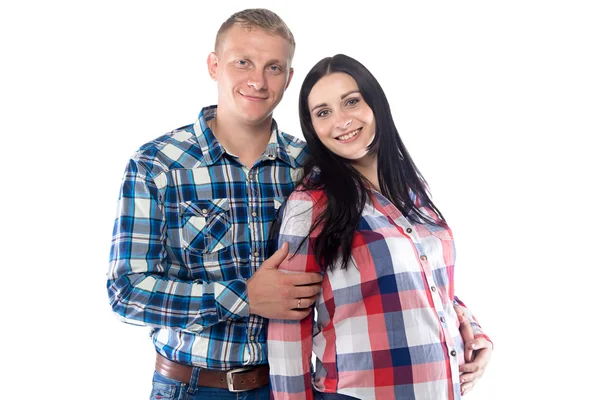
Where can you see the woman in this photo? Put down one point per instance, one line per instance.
(385, 323)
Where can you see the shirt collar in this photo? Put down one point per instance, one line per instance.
(212, 150)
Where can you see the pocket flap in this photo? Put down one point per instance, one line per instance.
(204, 208)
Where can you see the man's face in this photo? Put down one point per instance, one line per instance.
(252, 70)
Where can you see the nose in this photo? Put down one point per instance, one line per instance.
(257, 80)
(344, 121)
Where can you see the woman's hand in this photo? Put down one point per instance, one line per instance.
(478, 353)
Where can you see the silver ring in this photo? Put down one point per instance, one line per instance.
(299, 300)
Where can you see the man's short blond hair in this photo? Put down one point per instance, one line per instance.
(259, 18)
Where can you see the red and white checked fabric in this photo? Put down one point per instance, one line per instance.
(384, 328)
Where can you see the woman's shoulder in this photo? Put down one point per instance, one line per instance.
(311, 186)
(307, 193)
(305, 201)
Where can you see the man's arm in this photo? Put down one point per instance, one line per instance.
(140, 293)
(138, 290)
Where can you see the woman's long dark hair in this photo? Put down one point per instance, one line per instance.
(345, 188)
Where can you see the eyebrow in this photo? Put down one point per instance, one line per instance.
(341, 98)
(349, 93)
(278, 61)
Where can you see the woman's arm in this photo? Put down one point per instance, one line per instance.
(290, 342)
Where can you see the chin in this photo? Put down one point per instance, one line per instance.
(258, 114)
(257, 117)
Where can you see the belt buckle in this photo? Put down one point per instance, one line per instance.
(230, 380)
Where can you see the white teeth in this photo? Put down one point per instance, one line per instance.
(348, 136)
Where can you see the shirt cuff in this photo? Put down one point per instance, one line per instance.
(231, 299)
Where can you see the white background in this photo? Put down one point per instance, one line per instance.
(498, 103)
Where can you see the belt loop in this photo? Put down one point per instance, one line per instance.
(194, 380)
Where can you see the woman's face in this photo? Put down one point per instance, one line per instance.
(343, 121)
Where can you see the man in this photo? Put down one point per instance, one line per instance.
(189, 253)
(193, 220)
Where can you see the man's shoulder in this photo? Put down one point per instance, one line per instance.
(292, 140)
(175, 137)
(296, 148)
(176, 149)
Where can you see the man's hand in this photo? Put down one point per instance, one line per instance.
(473, 368)
(275, 294)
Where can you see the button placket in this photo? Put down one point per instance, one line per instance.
(252, 214)
(438, 306)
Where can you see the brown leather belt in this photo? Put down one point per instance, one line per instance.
(235, 380)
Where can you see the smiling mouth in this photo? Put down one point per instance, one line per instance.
(252, 98)
(348, 136)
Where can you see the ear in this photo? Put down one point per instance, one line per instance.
(212, 62)
(290, 75)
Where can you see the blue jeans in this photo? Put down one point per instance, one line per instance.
(169, 389)
(331, 396)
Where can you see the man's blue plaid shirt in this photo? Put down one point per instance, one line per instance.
(192, 226)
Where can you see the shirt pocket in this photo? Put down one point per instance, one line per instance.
(205, 225)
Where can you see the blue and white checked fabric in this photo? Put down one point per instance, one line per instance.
(192, 226)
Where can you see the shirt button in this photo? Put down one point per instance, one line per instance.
(453, 353)
(204, 211)
(433, 289)
(252, 338)
(424, 257)
(254, 214)
(256, 254)
(442, 319)
(408, 230)
(271, 156)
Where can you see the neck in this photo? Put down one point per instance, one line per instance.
(246, 141)
(367, 167)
